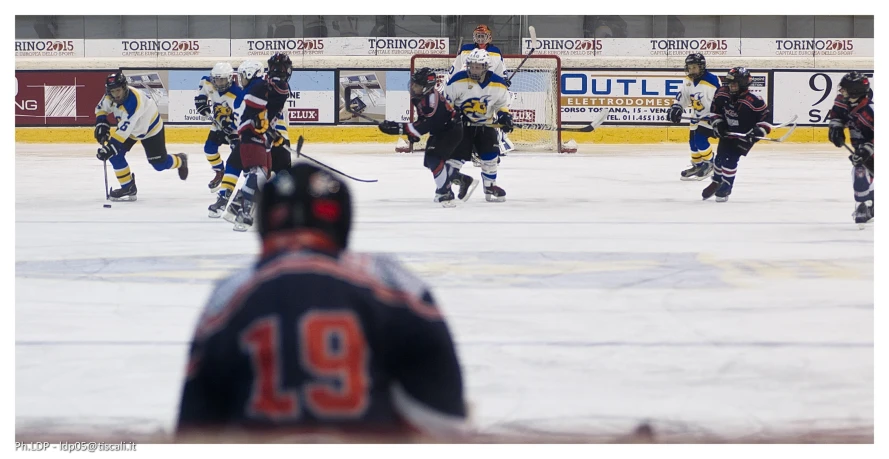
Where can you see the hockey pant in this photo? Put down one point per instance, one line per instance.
(439, 150)
(155, 150)
(699, 143)
(485, 141)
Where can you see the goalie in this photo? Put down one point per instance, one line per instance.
(437, 118)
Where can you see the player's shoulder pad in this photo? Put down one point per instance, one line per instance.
(467, 48)
(206, 79)
(497, 80)
(722, 91)
(711, 79)
(461, 75)
(391, 273)
(132, 103)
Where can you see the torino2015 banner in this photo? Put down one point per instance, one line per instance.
(631, 97)
(58, 98)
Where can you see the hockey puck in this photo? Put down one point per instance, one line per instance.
(107, 206)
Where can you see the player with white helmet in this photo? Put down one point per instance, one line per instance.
(482, 98)
(219, 93)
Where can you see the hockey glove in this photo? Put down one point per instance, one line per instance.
(836, 133)
(203, 106)
(218, 137)
(675, 114)
(106, 151)
(232, 137)
(508, 83)
(391, 128)
(752, 136)
(720, 129)
(260, 123)
(505, 121)
(864, 152)
(277, 140)
(102, 132)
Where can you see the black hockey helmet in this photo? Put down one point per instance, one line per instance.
(280, 66)
(306, 196)
(114, 81)
(696, 58)
(855, 84)
(738, 75)
(424, 78)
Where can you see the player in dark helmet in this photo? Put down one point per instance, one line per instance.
(697, 93)
(116, 87)
(735, 110)
(438, 118)
(853, 108)
(280, 66)
(313, 336)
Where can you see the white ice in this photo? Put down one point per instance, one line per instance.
(604, 292)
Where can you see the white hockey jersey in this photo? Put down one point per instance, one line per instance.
(137, 117)
(478, 102)
(496, 64)
(223, 104)
(698, 94)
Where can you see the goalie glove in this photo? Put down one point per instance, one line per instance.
(103, 130)
(675, 114)
(720, 129)
(504, 119)
(107, 151)
(836, 133)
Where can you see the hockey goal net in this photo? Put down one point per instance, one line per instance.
(534, 97)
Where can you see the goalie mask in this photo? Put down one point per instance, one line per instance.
(248, 70)
(696, 59)
(422, 82)
(116, 87)
(854, 86)
(737, 80)
(477, 64)
(222, 76)
(482, 35)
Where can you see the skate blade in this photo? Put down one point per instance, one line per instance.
(722, 199)
(694, 178)
(229, 217)
(472, 188)
(450, 203)
(240, 227)
(122, 198)
(213, 214)
(491, 198)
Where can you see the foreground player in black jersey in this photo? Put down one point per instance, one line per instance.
(313, 338)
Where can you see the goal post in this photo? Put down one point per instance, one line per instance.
(534, 97)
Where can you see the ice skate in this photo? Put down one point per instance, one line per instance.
(218, 208)
(466, 184)
(863, 214)
(244, 220)
(445, 198)
(217, 180)
(126, 193)
(697, 172)
(710, 190)
(183, 168)
(494, 193)
(236, 203)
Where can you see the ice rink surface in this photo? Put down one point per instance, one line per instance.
(604, 292)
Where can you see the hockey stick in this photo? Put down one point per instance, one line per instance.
(299, 153)
(533, 48)
(107, 190)
(784, 137)
(792, 120)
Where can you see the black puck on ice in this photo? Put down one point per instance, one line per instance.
(107, 206)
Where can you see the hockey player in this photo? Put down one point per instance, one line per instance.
(262, 105)
(482, 37)
(250, 74)
(313, 338)
(217, 99)
(854, 108)
(697, 92)
(734, 110)
(481, 98)
(437, 118)
(138, 120)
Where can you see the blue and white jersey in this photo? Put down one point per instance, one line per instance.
(478, 102)
(137, 117)
(496, 65)
(698, 94)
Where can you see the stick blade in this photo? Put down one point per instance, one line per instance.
(533, 34)
(299, 145)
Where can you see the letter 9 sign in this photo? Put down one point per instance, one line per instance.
(332, 347)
